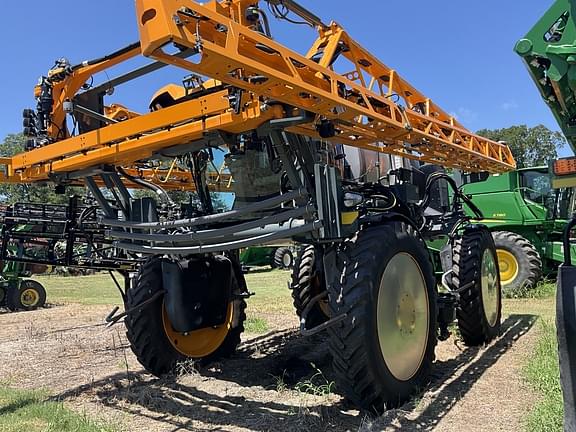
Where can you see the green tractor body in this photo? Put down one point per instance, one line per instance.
(276, 257)
(257, 256)
(524, 210)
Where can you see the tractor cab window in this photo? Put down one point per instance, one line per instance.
(536, 186)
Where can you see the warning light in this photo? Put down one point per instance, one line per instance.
(566, 166)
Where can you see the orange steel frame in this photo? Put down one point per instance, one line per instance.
(168, 179)
(372, 106)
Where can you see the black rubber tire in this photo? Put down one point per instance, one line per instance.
(280, 256)
(528, 258)
(14, 296)
(468, 252)
(307, 283)
(145, 329)
(361, 371)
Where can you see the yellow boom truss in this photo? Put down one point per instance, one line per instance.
(371, 106)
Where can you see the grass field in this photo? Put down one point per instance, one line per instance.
(541, 370)
(32, 411)
(270, 287)
(273, 297)
(542, 373)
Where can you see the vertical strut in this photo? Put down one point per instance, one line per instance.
(124, 205)
(95, 190)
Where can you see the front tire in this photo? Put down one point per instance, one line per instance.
(475, 275)
(383, 351)
(308, 282)
(156, 345)
(519, 262)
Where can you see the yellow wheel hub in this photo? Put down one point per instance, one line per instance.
(198, 343)
(29, 297)
(508, 266)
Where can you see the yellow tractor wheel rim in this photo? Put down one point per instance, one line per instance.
(198, 343)
(508, 266)
(29, 297)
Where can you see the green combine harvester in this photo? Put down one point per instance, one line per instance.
(526, 210)
(549, 52)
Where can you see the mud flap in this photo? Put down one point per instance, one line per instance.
(197, 292)
(566, 331)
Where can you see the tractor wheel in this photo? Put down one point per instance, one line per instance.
(154, 342)
(383, 351)
(283, 258)
(3, 295)
(31, 295)
(307, 283)
(475, 275)
(519, 262)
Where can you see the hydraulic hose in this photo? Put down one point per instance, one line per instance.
(433, 178)
(148, 185)
(118, 53)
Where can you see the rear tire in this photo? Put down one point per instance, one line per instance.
(475, 274)
(519, 262)
(146, 331)
(283, 258)
(383, 351)
(29, 296)
(307, 283)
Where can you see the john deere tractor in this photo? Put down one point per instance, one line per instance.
(526, 210)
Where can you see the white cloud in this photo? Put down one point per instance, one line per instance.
(465, 115)
(509, 105)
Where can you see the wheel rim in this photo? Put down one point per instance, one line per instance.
(316, 283)
(508, 265)
(490, 291)
(286, 260)
(29, 297)
(198, 343)
(403, 316)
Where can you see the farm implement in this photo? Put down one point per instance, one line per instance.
(331, 149)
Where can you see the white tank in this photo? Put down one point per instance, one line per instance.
(369, 166)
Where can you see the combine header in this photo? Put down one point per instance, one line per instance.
(318, 148)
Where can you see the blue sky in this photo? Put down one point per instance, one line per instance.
(458, 53)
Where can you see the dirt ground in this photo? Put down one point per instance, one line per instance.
(67, 350)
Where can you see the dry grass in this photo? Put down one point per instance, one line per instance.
(264, 386)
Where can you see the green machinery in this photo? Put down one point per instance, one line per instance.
(549, 51)
(17, 293)
(527, 215)
(276, 257)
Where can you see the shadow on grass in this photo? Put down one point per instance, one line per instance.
(259, 363)
(17, 405)
(258, 270)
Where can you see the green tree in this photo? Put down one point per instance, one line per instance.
(183, 197)
(11, 193)
(530, 146)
